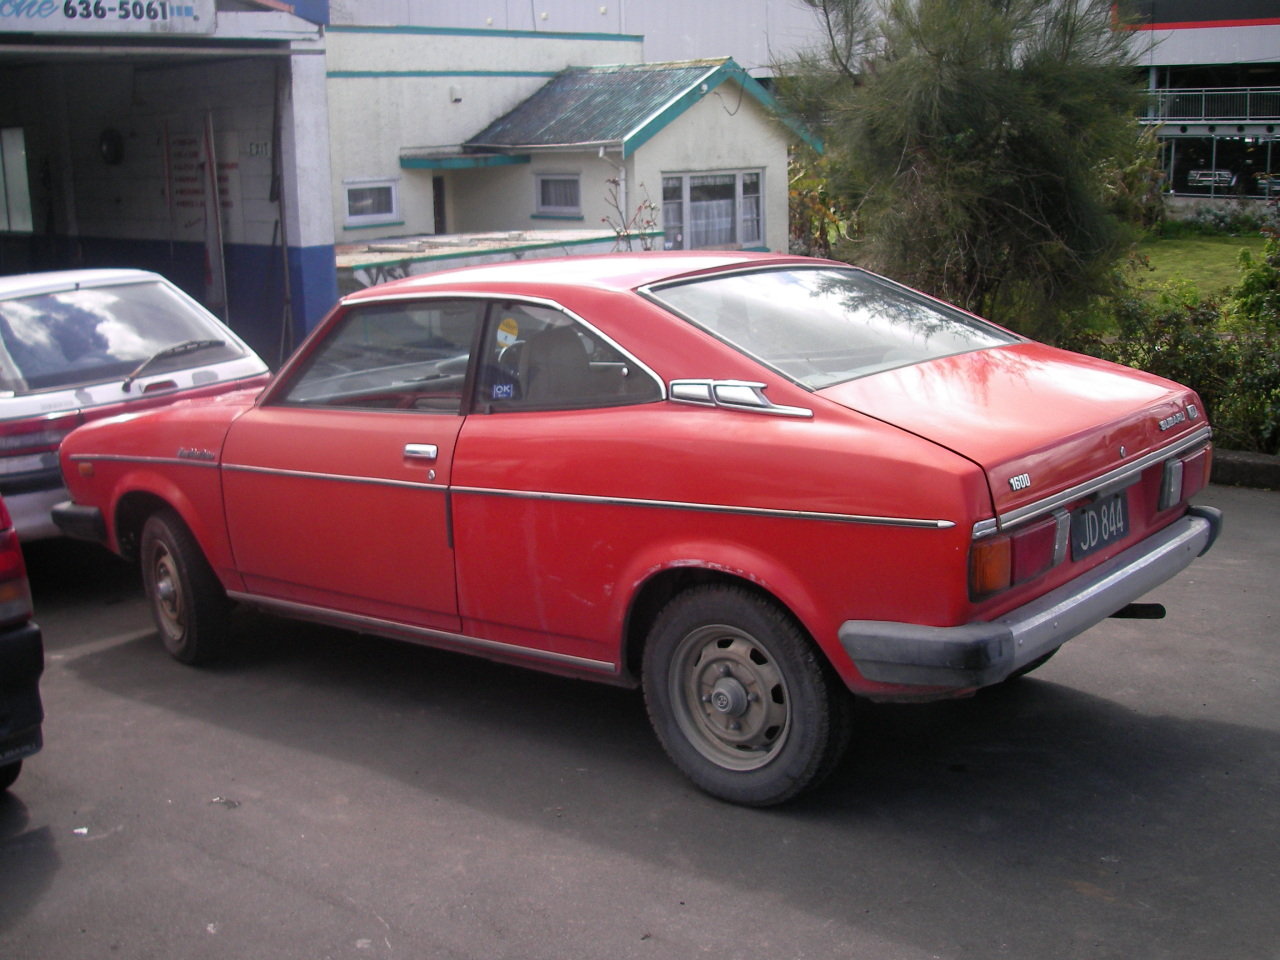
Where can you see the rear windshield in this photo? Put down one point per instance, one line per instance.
(823, 326)
(100, 333)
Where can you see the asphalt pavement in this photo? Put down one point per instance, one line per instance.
(324, 795)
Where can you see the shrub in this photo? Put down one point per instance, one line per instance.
(1225, 348)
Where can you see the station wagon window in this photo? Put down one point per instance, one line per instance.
(539, 358)
(821, 327)
(407, 355)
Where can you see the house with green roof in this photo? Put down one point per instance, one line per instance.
(476, 133)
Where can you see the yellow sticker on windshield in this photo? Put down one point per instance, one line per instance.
(508, 331)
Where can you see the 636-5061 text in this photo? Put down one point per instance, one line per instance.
(123, 10)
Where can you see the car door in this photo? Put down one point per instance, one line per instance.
(336, 485)
(539, 461)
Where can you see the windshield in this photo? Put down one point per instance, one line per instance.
(100, 333)
(821, 326)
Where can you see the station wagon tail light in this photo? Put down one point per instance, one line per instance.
(1184, 477)
(33, 437)
(15, 591)
(1004, 560)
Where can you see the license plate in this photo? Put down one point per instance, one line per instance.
(1099, 524)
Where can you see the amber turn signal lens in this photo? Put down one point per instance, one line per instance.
(990, 566)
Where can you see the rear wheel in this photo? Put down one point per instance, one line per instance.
(188, 604)
(9, 774)
(740, 698)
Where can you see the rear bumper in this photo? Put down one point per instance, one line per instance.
(979, 654)
(21, 712)
(30, 511)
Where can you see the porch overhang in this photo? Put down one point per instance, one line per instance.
(456, 159)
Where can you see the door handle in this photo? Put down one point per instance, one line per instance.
(421, 451)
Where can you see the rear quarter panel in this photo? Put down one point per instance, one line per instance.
(560, 519)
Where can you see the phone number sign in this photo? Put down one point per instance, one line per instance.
(107, 16)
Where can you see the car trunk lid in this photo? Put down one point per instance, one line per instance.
(1038, 420)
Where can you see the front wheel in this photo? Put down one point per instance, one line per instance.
(188, 604)
(740, 698)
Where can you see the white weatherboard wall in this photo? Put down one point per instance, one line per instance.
(395, 88)
(722, 131)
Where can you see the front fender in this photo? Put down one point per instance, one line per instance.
(197, 500)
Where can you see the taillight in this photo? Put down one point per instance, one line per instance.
(1004, 560)
(15, 590)
(1184, 477)
(29, 444)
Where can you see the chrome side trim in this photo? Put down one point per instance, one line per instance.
(708, 508)
(1110, 482)
(563, 497)
(745, 395)
(402, 631)
(121, 458)
(338, 477)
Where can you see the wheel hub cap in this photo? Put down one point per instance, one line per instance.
(729, 697)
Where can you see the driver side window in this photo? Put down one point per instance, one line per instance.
(394, 356)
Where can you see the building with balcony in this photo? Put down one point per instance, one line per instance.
(1213, 94)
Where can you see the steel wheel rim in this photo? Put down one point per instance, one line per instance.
(167, 593)
(730, 699)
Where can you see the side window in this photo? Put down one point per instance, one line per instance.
(537, 358)
(393, 356)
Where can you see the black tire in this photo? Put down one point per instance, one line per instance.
(9, 774)
(190, 609)
(1026, 668)
(740, 698)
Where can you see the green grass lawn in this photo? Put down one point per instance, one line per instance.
(1210, 263)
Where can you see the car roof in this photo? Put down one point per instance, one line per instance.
(612, 271)
(26, 284)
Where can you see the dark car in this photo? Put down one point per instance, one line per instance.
(21, 659)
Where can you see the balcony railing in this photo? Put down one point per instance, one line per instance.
(1214, 105)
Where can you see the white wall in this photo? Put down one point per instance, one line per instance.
(1209, 45)
(503, 198)
(723, 131)
(754, 32)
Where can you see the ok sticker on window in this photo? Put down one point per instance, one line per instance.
(504, 391)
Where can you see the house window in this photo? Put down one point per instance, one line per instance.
(371, 203)
(15, 191)
(710, 210)
(559, 195)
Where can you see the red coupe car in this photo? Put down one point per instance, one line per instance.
(750, 484)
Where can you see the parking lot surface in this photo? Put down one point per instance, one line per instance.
(323, 795)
